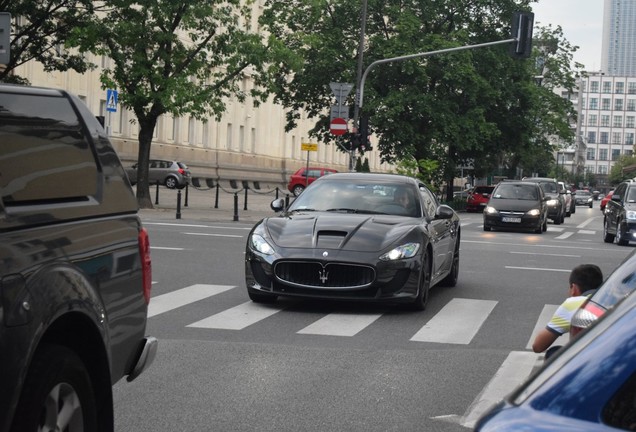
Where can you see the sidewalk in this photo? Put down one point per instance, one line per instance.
(201, 205)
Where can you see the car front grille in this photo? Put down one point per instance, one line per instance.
(511, 213)
(329, 275)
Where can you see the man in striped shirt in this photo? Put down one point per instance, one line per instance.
(584, 280)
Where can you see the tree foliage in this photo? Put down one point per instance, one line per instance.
(39, 31)
(479, 105)
(625, 167)
(178, 57)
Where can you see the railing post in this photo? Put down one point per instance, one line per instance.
(286, 200)
(216, 199)
(236, 217)
(245, 201)
(185, 204)
(179, 204)
(157, 195)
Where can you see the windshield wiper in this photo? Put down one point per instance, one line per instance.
(301, 210)
(352, 210)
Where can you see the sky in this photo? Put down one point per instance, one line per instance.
(582, 24)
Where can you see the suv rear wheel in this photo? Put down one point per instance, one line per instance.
(171, 182)
(607, 237)
(57, 395)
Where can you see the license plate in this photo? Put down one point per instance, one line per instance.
(511, 219)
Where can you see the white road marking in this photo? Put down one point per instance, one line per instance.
(544, 318)
(213, 235)
(587, 232)
(587, 222)
(181, 297)
(238, 317)
(537, 268)
(546, 254)
(457, 323)
(564, 235)
(555, 229)
(514, 370)
(340, 324)
(166, 248)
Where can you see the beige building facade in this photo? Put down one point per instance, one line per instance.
(248, 143)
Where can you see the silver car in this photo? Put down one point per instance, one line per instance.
(172, 174)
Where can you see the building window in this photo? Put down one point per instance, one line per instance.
(605, 120)
(631, 104)
(607, 87)
(589, 169)
(228, 142)
(594, 87)
(618, 105)
(602, 154)
(629, 152)
(603, 138)
(591, 137)
(629, 121)
(602, 169)
(616, 153)
(618, 121)
(629, 138)
(592, 120)
(591, 154)
(620, 87)
(593, 103)
(631, 87)
(616, 137)
(606, 103)
(242, 138)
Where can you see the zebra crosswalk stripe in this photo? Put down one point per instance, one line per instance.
(238, 317)
(457, 323)
(340, 324)
(181, 297)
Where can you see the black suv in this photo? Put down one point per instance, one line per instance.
(75, 270)
(620, 214)
(516, 204)
(556, 197)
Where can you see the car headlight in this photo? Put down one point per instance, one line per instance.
(631, 215)
(534, 212)
(407, 250)
(491, 210)
(553, 202)
(259, 244)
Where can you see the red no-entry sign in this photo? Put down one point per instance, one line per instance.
(338, 126)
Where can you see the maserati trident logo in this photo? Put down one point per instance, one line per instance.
(323, 275)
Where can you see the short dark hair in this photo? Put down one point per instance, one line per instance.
(587, 277)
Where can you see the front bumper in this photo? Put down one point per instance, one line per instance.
(512, 221)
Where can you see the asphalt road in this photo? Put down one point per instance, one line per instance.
(226, 364)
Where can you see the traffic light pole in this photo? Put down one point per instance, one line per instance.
(356, 107)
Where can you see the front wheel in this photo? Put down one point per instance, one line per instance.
(451, 279)
(620, 237)
(57, 394)
(607, 237)
(424, 285)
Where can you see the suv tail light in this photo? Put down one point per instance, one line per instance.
(146, 263)
(585, 317)
(181, 171)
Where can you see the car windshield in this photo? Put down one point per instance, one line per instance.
(549, 187)
(583, 193)
(516, 191)
(620, 283)
(631, 197)
(359, 197)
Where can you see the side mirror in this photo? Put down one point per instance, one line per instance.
(444, 212)
(278, 205)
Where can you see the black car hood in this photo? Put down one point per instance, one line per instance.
(514, 204)
(352, 232)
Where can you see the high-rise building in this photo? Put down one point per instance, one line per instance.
(618, 57)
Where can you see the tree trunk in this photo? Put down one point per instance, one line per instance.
(146, 131)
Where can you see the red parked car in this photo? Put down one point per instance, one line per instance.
(606, 199)
(478, 198)
(306, 176)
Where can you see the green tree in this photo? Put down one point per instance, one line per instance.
(625, 167)
(39, 31)
(480, 105)
(179, 57)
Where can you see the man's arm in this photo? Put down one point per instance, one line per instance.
(544, 339)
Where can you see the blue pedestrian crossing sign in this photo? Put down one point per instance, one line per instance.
(111, 100)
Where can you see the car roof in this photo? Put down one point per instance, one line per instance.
(370, 177)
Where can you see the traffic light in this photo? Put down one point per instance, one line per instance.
(363, 135)
(522, 24)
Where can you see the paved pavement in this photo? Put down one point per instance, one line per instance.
(202, 204)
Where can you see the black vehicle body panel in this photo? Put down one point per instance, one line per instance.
(70, 270)
(620, 214)
(509, 209)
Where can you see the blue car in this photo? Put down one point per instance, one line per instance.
(590, 385)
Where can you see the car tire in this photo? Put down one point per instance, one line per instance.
(591, 205)
(451, 279)
(297, 190)
(170, 182)
(487, 228)
(262, 298)
(57, 380)
(620, 238)
(419, 304)
(607, 237)
(544, 227)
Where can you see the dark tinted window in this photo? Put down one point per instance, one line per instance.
(44, 153)
(620, 412)
(483, 189)
(620, 283)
